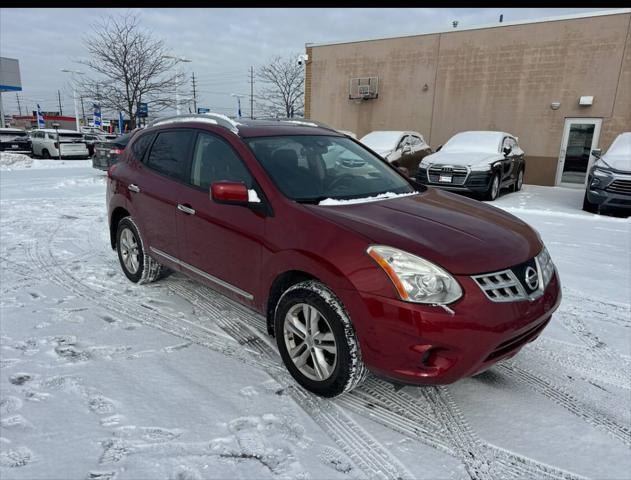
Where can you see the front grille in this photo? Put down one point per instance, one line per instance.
(620, 186)
(458, 174)
(526, 281)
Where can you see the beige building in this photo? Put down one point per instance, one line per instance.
(562, 85)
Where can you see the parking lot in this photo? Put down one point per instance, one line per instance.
(101, 378)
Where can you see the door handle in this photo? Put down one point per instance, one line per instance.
(133, 188)
(185, 209)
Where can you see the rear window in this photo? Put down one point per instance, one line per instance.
(140, 144)
(13, 133)
(78, 136)
(169, 153)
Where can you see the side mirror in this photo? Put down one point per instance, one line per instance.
(231, 193)
(597, 152)
(404, 171)
(507, 150)
(439, 147)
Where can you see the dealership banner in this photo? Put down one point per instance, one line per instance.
(40, 118)
(97, 115)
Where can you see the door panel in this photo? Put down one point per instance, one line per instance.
(221, 240)
(580, 137)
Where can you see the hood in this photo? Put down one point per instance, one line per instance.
(620, 161)
(464, 159)
(461, 235)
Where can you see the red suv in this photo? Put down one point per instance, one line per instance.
(355, 266)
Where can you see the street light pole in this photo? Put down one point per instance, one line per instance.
(177, 75)
(74, 95)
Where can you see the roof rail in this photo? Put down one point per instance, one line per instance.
(302, 122)
(213, 118)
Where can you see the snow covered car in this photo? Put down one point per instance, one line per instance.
(14, 140)
(49, 143)
(609, 179)
(402, 149)
(481, 162)
(353, 271)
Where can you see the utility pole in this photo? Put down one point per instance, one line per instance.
(252, 93)
(83, 111)
(194, 95)
(19, 106)
(61, 112)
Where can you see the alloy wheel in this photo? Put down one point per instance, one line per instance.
(520, 179)
(129, 251)
(495, 187)
(310, 342)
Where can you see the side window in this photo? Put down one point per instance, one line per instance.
(506, 143)
(415, 141)
(141, 145)
(215, 160)
(169, 153)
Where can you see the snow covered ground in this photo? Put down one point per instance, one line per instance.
(103, 379)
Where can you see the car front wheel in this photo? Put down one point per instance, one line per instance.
(136, 264)
(316, 340)
(589, 206)
(520, 180)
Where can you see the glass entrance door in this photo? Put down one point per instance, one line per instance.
(580, 137)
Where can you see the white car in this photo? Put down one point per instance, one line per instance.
(401, 148)
(482, 162)
(48, 143)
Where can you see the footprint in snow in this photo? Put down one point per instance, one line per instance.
(17, 457)
(20, 378)
(100, 405)
(17, 422)
(101, 476)
(10, 404)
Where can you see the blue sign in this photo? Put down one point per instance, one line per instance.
(143, 109)
(97, 115)
(40, 118)
(203, 110)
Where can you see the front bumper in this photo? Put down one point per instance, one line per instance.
(424, 344)
(609, 190)
(472, 181)
(100, 163)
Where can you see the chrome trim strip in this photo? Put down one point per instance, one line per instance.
(201, 273)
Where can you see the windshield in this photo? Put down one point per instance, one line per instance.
(473, 142)
(313, 168)
(381, 141)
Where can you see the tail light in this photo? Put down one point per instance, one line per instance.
(115, 151)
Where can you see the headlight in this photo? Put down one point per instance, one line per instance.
(483, 167)
(416, 279)
(546, 266)
(602, 171)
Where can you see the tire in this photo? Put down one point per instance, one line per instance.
(129, 246)
(519, 182)
(589, 206)
(45, 153)
(327, 374)
(494, 188)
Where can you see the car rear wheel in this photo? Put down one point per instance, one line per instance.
(136, 264)
(494, 188)
(520, 180)
(45, 153)
(316, 340)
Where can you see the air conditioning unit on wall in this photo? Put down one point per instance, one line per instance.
(363, 88)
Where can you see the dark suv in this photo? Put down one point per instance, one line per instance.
(355, 269)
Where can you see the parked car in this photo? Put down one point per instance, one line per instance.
(352, 271)
(14, 140)
(107, 153)
(402, 149)
(91, 139)
(609, 179)
(48, 143)
(481, 162)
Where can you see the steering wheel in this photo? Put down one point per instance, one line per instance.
(342, 179)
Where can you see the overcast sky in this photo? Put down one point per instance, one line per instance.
(222, 43)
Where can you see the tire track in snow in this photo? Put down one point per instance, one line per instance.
(555, 393)
(364, 450)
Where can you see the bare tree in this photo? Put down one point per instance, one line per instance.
(130, 67)
(284, 82)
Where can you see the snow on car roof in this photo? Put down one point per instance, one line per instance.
(52, 130)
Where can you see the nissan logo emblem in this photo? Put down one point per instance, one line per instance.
(532, 278)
